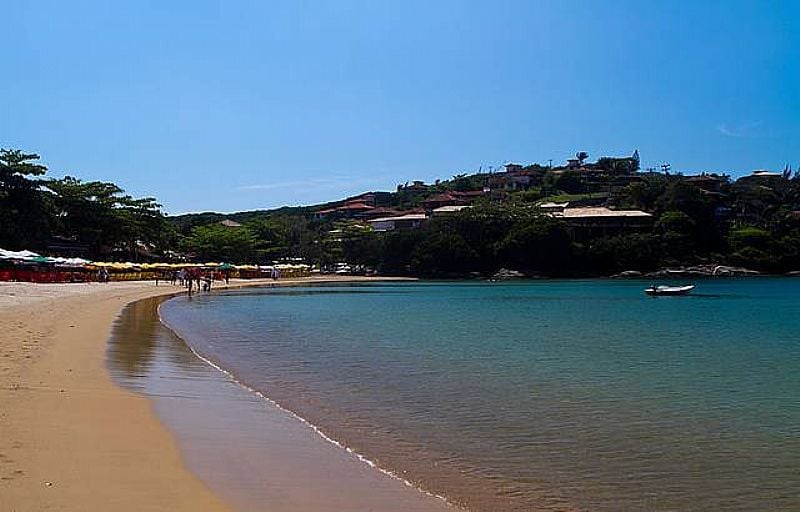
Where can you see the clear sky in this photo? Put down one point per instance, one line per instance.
(236, 105)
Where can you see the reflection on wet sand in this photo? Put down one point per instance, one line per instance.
(134, 336)
(248, 451)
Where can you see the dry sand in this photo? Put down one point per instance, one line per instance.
(70, 439)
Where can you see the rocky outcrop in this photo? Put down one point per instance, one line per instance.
(504, 274)
(630, 274)
(703, 271)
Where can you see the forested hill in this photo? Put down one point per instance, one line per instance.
(580, 218)
(697, 218)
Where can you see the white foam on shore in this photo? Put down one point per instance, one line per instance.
(361, 458)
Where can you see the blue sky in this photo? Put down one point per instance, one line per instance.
(240, 105)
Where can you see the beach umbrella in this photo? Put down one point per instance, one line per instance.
(38, 259)
(17, 255)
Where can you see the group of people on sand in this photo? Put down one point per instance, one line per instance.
(194, 279)
(103, 276)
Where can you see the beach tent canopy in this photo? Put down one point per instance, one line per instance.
(17, 255)
(70, 262)
(38, 259)
(32, 257)
(225, 266)
(116, 265)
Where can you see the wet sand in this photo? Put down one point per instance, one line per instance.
(70, 439)
(249, 451)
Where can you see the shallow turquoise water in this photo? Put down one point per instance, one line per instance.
(535, 395)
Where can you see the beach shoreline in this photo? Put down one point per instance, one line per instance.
(71, 438)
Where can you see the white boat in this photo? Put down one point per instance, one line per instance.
(669, 290)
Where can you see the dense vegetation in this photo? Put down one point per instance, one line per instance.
(93, 219)
(752, 222)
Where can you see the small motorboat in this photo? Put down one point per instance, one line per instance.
(669, 290)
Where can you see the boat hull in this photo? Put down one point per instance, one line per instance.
(668, 290)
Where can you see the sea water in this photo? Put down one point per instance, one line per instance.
(534, 395)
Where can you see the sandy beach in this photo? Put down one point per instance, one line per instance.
(70, 439)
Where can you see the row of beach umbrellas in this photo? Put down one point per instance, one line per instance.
(32, 257)
(176, 266)
(35, 258)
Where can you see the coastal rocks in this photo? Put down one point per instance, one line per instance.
(630, 274)
(703, 271)
(505, 274)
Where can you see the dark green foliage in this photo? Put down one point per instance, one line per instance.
(24, 208)
(481, 228)
(637, 251)
(530, 196)
(753, 222)
(443, 254)
(643, 194)
(749, 237)
(396, 250)
(219, 243)
(540, 245)
(617, 165)
(570, 182)
(362, 248)
(95, 215)
(100, 215)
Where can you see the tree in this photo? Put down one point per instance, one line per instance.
(636, 251)
(611, 165)
(680, 196)
(678, 232)
(482, 227)
(540, 244)
(396, 251)
(102, 216)
(361, 247)
(570, 182)
(24, 219)
(642, 195)
(219, 243)
(443, 254)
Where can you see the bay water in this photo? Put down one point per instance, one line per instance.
(533, 395)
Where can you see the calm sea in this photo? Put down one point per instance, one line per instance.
(551, 395)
